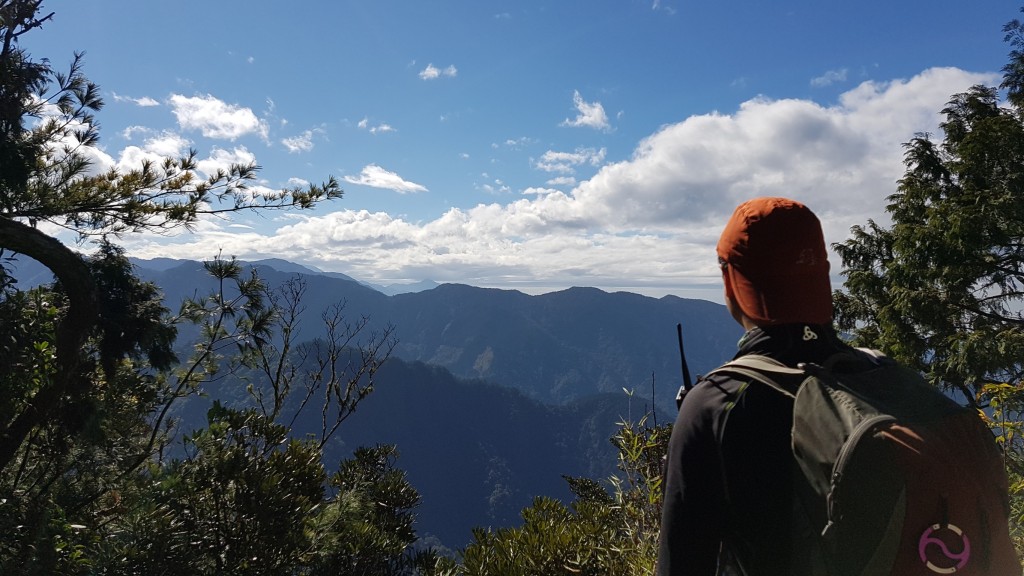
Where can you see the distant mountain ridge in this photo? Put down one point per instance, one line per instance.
(281, 265)
(554, 347)
(491, 395)
(31, 273)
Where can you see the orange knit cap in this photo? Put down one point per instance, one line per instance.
(775, 262)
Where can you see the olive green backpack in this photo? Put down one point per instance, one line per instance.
(902, 479)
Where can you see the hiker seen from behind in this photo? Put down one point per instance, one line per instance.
(804, 456)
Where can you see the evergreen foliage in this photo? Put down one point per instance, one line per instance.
(601, 533)
(942, 287)
(95, 478)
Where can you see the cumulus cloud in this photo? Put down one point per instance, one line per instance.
(221, 160)
(154, 149)
(377, 177)
(591, 114)
(432, 72)
(215, 118)
(648, 223)
(130, 132)
(537, 191)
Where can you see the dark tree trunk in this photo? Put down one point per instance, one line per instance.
(72, 331)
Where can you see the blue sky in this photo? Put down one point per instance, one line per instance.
(528, 144)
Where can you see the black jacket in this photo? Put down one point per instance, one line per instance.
(729, 488)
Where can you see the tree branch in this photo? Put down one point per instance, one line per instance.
(72, 331)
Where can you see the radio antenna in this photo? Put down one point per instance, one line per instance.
(687, 382)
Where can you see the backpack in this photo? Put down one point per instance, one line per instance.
(902, 480)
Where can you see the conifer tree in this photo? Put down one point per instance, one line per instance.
(89, 371)
(942, 287)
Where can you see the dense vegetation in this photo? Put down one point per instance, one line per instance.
(942, 287)
(94, 475)
(95, 478)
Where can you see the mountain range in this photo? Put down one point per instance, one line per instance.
(491, 396)
(553, 347)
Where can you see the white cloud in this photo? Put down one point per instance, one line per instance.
(145, 101)
(216, 119)
(518, 143)
(377, 177)
(130, 132)
(381, 128)
(567, 162)
(829, 78)
(303, 142)
(221, 160)
(535, 191)
(591, 114)
(648, 223)
(496, 188)
(432, 72)
(562, 181)
(168, 144)
(657, 5)
(154, 149)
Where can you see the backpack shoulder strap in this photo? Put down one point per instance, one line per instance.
(876, 355)
(761, 369)
(859, 359)
(787, 380)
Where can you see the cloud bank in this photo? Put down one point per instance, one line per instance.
(647, 223)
